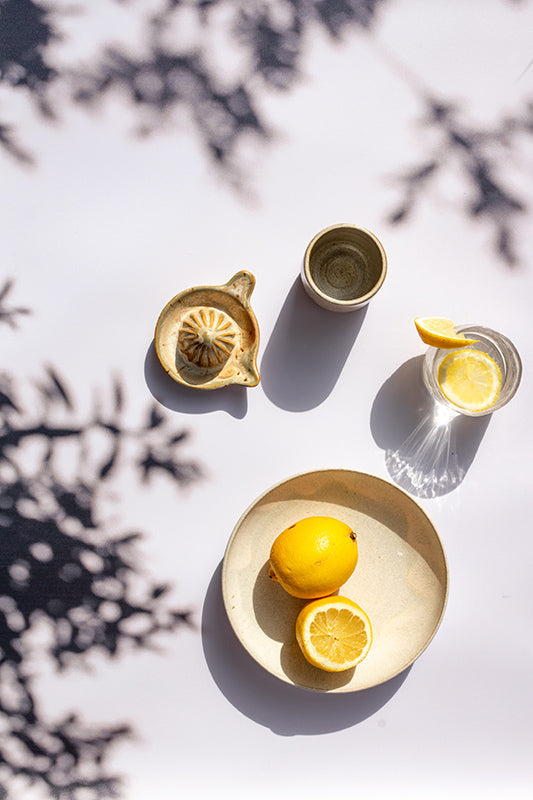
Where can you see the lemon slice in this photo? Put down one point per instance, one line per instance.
(334, 633)
(470, 379)
(440, 332)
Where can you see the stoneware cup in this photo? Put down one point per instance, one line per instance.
(344, 266)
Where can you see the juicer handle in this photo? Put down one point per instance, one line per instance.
(241, 286)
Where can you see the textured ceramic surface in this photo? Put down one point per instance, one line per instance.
(207, 337)
(401, 579)
(344, 266)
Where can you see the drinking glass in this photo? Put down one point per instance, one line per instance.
(496, 345)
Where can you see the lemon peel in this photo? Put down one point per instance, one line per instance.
(314, 557)
(334, 633)
(440, 332)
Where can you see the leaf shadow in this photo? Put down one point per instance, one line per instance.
(71, 584)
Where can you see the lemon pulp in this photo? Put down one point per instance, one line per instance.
(470, 379)
(334, 633)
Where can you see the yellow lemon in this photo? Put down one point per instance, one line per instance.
(440, 332)
(314, 557)
(334, 633)
(470, 379)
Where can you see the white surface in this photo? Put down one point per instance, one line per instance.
(106, 229)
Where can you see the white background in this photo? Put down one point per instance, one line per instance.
(106, 228)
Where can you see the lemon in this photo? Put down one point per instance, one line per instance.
(470, 379)
(440, 332)
(334, 633)
(314, 557)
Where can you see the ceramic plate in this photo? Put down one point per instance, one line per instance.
(401, 579)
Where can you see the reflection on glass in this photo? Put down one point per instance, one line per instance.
(427, 463)
(433, 459)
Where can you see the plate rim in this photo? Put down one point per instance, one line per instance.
(224, 572)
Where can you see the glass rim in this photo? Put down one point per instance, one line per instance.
(513, 370)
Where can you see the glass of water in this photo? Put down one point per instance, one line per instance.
(495, 345)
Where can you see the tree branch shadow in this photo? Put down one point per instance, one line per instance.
(166, 82)
(479, 155)
(66, 572)
(163, 77)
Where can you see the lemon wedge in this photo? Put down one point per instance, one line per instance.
(470, 379)
(440, 332)
(334, 633)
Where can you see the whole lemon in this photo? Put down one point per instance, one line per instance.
(314, 557)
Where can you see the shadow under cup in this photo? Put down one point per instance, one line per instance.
(344, 266)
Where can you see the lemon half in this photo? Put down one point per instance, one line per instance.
(334, 633)
(470, 379)
(440, 332)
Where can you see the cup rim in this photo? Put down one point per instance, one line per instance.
(357, 301)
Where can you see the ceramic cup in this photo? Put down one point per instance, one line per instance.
(344, 266)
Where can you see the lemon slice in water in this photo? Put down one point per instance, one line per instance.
(440, 332)
(470, 379)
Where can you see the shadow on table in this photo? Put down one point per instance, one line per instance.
(428, 450)
(72, 583)
(306, 351)
(287, 710)
(177, 397)
(165, 76)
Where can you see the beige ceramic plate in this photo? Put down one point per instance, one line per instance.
(401, 579)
